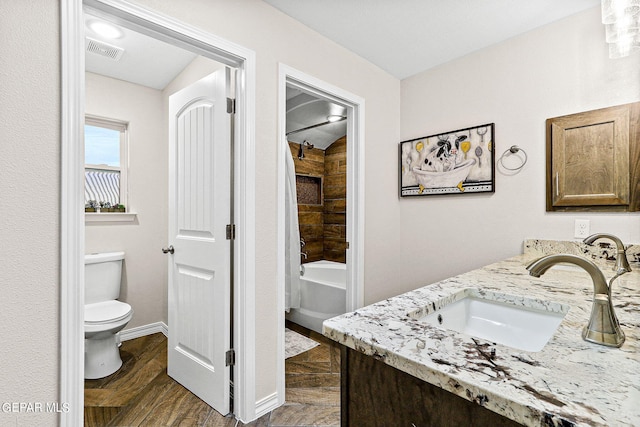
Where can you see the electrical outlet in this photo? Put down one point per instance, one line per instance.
(581, 229)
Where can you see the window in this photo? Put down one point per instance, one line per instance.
(105, 161)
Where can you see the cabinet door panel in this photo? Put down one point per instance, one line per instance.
(589, 158)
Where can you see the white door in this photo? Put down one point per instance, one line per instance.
(199, 211)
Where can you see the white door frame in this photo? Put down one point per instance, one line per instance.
(72, 191)
(355, 193)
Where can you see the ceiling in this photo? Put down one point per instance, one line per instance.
(153, 63)
(405, 37)
(402, 37)
(145, 61)
(304, 110)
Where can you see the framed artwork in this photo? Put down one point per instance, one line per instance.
(457, 162)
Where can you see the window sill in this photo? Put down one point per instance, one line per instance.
(90, 217)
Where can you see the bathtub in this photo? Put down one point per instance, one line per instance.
(322, 294)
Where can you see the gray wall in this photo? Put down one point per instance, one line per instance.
(30, 188)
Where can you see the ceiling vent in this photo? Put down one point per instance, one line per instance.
(104, 49)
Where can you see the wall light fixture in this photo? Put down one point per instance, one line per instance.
(621, 19)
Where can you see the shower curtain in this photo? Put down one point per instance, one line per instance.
(292, 237)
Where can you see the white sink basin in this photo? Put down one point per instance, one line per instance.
(521, 323)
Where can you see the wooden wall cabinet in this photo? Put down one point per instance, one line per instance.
(593, 160)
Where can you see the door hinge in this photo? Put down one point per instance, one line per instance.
(231, 231)
(230, 357)
(231, 106)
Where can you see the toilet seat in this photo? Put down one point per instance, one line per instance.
(106, 312)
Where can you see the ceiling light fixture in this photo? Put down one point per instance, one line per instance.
(621, 19)
(105, 29)
(335, 118)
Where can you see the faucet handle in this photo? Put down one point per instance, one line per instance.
(622, 263)
(621, 257)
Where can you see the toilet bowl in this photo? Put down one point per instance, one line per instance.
(104, 316)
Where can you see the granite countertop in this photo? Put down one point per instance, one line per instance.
(568, 382)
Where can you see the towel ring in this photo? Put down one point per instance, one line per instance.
(513, 150)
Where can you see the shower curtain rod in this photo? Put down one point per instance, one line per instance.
(315, 126)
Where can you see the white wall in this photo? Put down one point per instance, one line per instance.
(145, 268)
(198, 68)
(30, 188)
(144, 284)
(559, 69)
(556, 70)
(277, 38)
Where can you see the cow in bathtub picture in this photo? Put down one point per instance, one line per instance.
(456, 162)
(445, 156)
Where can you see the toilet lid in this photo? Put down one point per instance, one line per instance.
(106, 311)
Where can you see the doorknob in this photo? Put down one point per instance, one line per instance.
(168, 250)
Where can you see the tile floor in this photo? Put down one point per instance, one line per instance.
(142, 394)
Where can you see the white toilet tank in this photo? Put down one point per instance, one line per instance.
(102, 276)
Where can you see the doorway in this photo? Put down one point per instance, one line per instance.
(352, 109)
(73, 218)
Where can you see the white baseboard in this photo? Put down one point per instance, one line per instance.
(144, 330)
(267, 404)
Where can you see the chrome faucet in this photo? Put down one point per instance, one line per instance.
(303, 256)
(303, 243)
(603, 327)
(621, 258)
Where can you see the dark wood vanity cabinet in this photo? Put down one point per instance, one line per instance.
(376, 394)
(593, 160)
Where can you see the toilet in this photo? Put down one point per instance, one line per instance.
(104, 316)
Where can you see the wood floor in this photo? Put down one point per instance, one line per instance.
(142, 394)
